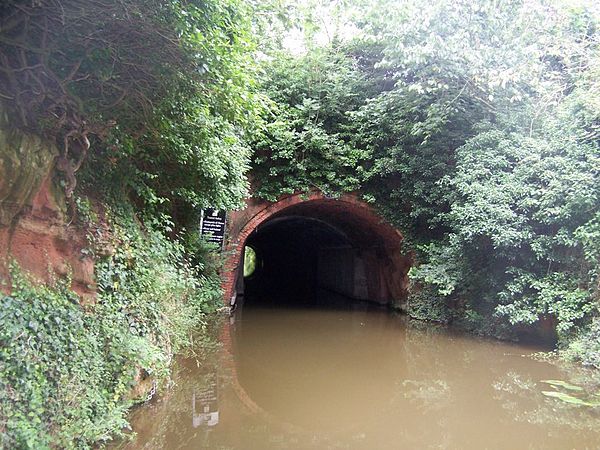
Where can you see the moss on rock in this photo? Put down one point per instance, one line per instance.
(25, 162)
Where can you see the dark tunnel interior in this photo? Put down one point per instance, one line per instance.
(287, 252)
(321, 252)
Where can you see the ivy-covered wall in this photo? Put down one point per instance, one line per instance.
(109, 148)
(69, 370)
(94, 305)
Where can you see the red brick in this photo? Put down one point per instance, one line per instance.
(389, 263)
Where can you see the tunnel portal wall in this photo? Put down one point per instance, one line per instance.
(375, 268)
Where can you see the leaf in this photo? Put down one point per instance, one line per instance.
(567, 398)
(564, 384)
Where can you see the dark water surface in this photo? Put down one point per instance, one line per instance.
(362, 378)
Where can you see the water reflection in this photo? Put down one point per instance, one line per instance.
(521, 396)
(205, 404)
(361, 378)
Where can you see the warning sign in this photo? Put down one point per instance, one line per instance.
(212, 225)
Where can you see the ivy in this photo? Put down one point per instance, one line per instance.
(66, 370)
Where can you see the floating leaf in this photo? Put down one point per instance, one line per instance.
(564, 384)
(565, 398)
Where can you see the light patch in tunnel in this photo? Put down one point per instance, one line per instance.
(249, 261)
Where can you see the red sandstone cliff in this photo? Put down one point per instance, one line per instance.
(34, 228)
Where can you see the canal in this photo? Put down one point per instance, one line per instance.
(347, 375)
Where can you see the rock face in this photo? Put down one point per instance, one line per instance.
(34, 229)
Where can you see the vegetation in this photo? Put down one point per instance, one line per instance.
(474, 127)
(148, 103)
(249, 261)
(68, 371)
(157, 92)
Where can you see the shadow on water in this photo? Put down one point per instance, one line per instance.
(321, 299)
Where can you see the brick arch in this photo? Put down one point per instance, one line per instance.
(379, 243)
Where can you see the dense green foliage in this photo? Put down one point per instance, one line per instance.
(474, 127)
(304, 144)
(158, 93)
(152, 100)
(67, 371)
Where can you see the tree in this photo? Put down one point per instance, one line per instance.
(151, 86)
(473, 126)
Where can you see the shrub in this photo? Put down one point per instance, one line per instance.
(67, 370)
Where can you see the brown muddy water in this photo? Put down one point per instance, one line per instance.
(362, 378)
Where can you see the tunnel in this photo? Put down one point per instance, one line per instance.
(292, 261)
(307, 246)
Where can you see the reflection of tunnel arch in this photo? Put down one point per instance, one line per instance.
(362, 257)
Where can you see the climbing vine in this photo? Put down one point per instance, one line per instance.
(136, 82)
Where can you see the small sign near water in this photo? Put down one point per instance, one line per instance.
(212, 225)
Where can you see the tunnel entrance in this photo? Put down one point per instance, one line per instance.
(306, 244)
(292, 263)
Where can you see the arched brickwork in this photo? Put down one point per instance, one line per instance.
(379, 244)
